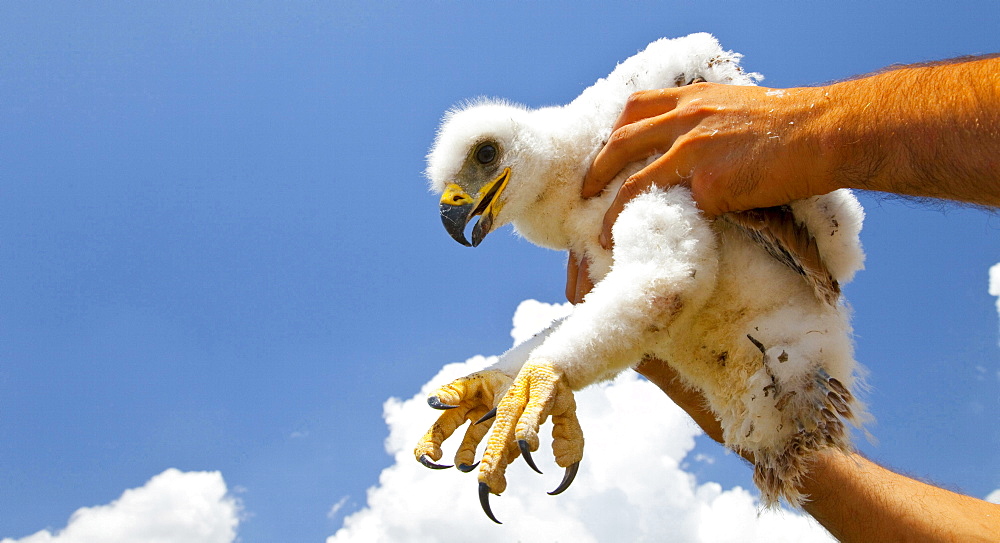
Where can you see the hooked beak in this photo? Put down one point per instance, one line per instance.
(458, 208)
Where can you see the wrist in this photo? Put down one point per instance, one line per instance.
(923, 130)
(852, 144)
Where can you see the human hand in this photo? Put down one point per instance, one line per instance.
(578, 282)
(737, 147)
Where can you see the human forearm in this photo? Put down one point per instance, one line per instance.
(854, 498)
(858, 500)
(929, 130)
(925, 130)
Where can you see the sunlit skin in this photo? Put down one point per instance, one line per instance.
(856, 499)
(926, 131)
(929, 131)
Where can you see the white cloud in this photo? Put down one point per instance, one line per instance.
(173, 507)
(994, 288)
(995, 280)
(631, 485)
(337, 507)
(993, 497)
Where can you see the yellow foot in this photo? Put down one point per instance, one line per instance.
(469, 398)
(537, 392)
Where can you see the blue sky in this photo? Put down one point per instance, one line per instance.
(218, 253)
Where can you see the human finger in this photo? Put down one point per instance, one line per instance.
(645, 104)
(572, 273)
(642, 130)
(627, 144)
(632, 188)
(583, 283)
(664, 171)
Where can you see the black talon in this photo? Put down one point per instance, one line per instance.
(567, 479)
(487, 416)
(436, 403)
(484, 500)
(427, 462)
(465, 468)
(523, 445)
(757, 344)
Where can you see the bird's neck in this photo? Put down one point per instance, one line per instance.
(546, 220)
(552, 219)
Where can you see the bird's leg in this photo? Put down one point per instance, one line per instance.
(474, 398)
(537, 392)
(664, 262)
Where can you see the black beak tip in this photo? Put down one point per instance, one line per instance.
(461, 239)
(454, 219)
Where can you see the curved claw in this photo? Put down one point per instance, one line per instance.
(487, 416)
(567, 479)
(427, 462)
(523, 445)
(465, 468)
(436, 403)
(484, 500)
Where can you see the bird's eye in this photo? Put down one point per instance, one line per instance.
(486, 153)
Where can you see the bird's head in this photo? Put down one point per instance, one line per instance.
(482, 161)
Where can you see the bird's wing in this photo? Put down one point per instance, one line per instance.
(776, 230)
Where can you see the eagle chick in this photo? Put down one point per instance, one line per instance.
(745, 307)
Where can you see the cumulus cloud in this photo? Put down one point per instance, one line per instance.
(994, 288)
(993, 497)
(173, 507)
(995, 281)
(632, 484)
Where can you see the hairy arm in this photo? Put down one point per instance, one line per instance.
(928, 130)
(935, 131)
(856, 499)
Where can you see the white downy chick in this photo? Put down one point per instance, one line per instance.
(746, 307)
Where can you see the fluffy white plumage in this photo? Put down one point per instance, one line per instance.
(773, 359)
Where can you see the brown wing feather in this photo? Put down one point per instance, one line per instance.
(777, 231)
